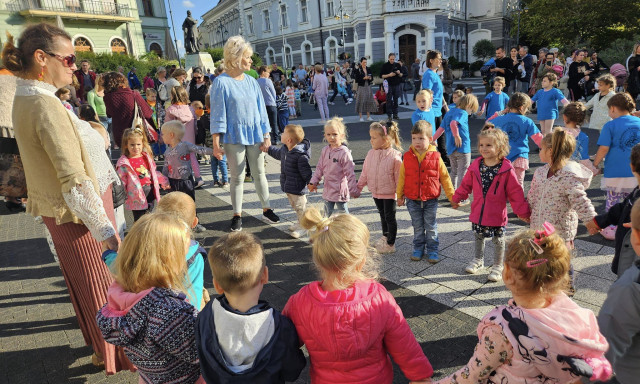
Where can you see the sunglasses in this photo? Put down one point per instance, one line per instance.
(66, 60)
(197, 77)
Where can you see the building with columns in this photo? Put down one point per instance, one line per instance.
(307, 31)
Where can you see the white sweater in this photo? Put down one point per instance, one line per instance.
(600, 115)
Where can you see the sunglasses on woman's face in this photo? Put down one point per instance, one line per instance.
(66, 60)
(196, 78)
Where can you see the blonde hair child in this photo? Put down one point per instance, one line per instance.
(138, 173)
(547, 102)
(491, 172)
(495, 102)
(380, 173)
(424, 99)
(455, 125)
(149, 294)
(336, 167)
(606, 90)
(540, 332)
(455, 97)
(520, 129)
(348, 290)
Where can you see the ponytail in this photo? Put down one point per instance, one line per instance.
(390, 130)
(562, 147)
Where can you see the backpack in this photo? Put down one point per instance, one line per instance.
(163, 94)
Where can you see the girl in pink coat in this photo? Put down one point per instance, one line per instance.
(541, 336)
(349, 322)
(337, 168)
(492, 180)
(380, 173)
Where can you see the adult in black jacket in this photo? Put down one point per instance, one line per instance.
(504, 66)
(597, 65)
(578, 70)
(391, 71)
(198, 90)
(634, 73)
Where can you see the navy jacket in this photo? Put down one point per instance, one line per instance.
(295, 170)
(280, 360)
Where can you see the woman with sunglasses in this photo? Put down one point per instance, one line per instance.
(63, 188)
(198, 89)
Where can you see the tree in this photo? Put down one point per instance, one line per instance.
(579, 23)
(484, 49)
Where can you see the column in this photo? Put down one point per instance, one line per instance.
(368, 49)
(431, 38)
(389, 43)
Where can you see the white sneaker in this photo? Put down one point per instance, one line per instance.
(298, 233)
(474, 266)
(199, 184)
(292, 228)
(369, 118)
(332, 103)
(464, 203)
(361, 119)
(385, 248)
(495, 273)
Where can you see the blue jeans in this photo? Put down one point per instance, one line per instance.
(425, 228)
(329, 206)
(222, 164)
(283, 120)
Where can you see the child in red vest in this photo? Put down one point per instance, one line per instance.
(421, 175)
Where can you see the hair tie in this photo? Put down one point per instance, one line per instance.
(536, 242)
(323, 229)
(536, 262)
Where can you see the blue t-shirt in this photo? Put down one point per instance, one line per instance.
(548, 103)
(427, 116)
(462, 117)
(519, 128)
(582, 147)
(620, 135)
(431, 80)
(496, 102)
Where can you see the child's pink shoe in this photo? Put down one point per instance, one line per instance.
(609, 233)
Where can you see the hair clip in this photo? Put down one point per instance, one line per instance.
(137, 130)
(536, 242)
(536, 262)
(326, 228)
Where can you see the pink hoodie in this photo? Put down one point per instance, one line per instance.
(187, 116)
(337, 167)
(380, 172)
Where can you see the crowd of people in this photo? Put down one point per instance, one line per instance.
(140, 299)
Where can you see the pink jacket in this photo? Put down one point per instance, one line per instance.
(350, 333)
(380, 172)
(136, 200)
(337, 168)
(491, 210)
(187, 116)
(320, 85)
(561, 199)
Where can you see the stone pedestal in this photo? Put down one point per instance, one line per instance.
(200, 59)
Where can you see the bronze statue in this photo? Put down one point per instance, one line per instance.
(189, 27)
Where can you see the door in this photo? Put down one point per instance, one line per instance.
(407, 49)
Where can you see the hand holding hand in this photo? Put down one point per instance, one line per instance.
(264, 147)
(455, 205)
(592, 227)
(312, 188)
(458, 141)
(525, 219)
(400, 201)
(218, 153)
(166, 187)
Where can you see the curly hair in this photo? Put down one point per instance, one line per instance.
(623, 102)
(499, 138)
(575, 112)
(112, 81)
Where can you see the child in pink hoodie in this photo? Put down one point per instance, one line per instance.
(348, 321)
(337, 167)
(541, 335)
(380, 173)
(181, 110)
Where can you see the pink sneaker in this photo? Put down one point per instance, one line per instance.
(609, 233)
(385, 248)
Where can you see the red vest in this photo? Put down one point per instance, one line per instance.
(421, 180)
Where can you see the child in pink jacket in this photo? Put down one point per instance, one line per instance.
(337, 167)
(380, 173)
(138, 173)
(541, 335)
(492, 180)
(348, 321)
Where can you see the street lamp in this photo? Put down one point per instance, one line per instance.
(342, 16)
(284, 51)
(222, 30)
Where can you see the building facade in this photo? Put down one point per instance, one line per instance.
(123, 26)
(307, 31)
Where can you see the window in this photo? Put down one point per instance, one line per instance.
(271, 56)
(81, 44)
(267, 22)
(288, 59)
(304, 16)
(146, 6)
(283, 16)
(333, 51)
(308, 55)
(250, 24)
(330, 10)
(118, 46)
(155, 47)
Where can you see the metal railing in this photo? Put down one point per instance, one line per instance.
(88, 7)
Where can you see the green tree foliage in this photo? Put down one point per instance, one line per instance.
(578, 23)
(107, 62)
(216, 53)
(484, 49)
(618, 51)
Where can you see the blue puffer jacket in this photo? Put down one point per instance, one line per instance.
(295, 170)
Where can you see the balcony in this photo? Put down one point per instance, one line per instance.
(406, 5)
(109, 11)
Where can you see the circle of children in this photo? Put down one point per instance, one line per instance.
(159, 311)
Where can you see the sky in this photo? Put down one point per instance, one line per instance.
(180, 8)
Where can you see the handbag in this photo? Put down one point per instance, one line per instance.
(119, 194)
(140, 122)
(13, 182)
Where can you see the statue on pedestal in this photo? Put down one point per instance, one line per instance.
(189, 27)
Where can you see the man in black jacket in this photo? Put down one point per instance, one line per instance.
(392, 73)
(503, 65)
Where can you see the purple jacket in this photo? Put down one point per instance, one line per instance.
(337, 167)
(320, 85)
(491, 210)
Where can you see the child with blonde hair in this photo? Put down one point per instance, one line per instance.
(181, 111)
(491, 172)
(547, 102)
(147, 312)
(455, 97)
(541, 334)
(138, 173)
(349, 291)
(295, 170)
(455, 125)
(422, 174)
(336, 167)
(519, 128)
(497, 100)
(380, 173)
(424, 99)
(600, 115)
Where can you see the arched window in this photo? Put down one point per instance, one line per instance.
(307, 56)
(271, 56)
(80, 44)
(289, 57)
(155, 47)
(118, 46)
(333, 51)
